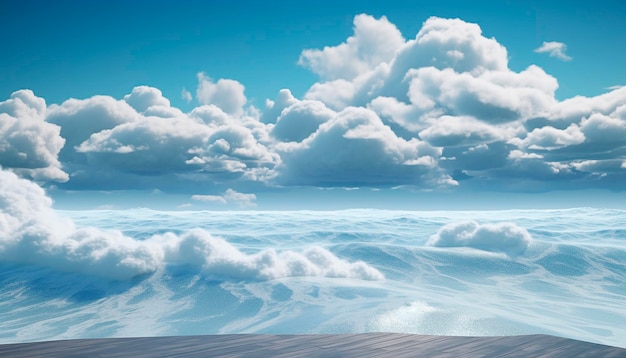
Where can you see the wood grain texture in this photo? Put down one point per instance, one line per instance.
(323, 345)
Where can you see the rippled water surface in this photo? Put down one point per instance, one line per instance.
(142, 272)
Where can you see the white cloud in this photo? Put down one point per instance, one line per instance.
(79, 119)
(28, 144)
(111, 145)
(355, 148)
(158, 146)
(274, 108)
(336, 94)
(449, 131)
(494, 97)
(225, 93)
(211, 115)
(445, 43)
(507, 238)
(144, 97)
(549, 138)
(386, 112)
(300, 120)
(603, 128)
(150, 145)
(374, 41)
(449, 68)
(572, 110)
(554, 49)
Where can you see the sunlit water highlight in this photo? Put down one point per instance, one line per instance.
(560, 272)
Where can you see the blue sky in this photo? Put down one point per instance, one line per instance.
(367, 106)
(79, 49)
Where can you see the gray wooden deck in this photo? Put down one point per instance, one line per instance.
(323, 345)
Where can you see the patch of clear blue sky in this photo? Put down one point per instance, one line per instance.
(63, 49)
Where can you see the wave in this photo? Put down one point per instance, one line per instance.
(84, 274)
(32, 232)
(503, 237)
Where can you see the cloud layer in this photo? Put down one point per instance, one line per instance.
(440, 110)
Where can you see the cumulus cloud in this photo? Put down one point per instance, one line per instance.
(155, 146)
(225, 93)
(274, 108)
(551, 138)
(494, 97)
(144, 97)
(386, 111)
(148, 145)
(450, 131)
(79, 119)
(374, 41)
(229, 197)
(370, 154)
(32, 233)
(300, 120)
(554, 49)
(108, 138)
(28, 144)
(507, 238)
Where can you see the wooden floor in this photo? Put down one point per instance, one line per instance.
(324, 345)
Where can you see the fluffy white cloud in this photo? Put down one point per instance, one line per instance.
(445, 43)
(79, 119)
(150, 145)
(144, 97)
(551, 138)
(225, 93)
(449, 68)
(451, 87)
(386, 112)
(274, 108)
(507, 238)
(28, 144)
(491, 96)
(554, 49)
(157, 146)
(211, 115)
(32, 233)
(337, 94)
(300, 120)
(449, 131)
(356, 148)
(111, 145)
(601, 128)
(572, 110)
(374, 41)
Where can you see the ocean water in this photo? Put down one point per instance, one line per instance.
(86, 274)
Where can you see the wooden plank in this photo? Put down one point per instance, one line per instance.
(348, 345)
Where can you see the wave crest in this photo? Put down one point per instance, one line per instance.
(507, 238)
(31, 232)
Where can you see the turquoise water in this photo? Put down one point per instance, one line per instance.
(71, 274)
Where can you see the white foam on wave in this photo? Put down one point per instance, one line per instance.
(32, 232)
(507, 238)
